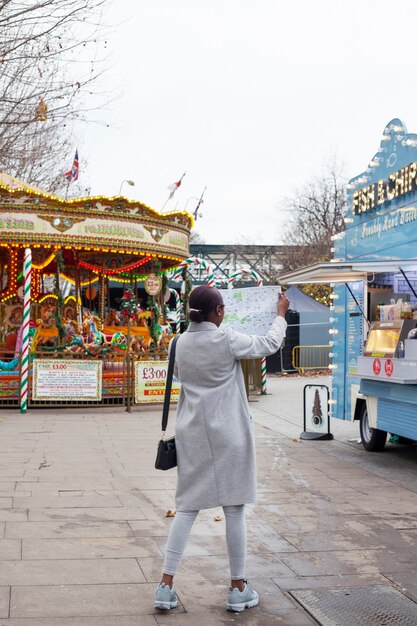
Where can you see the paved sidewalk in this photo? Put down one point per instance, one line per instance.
(83, 525)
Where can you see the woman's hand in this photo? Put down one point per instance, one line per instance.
(282, 304)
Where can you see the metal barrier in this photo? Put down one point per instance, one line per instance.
(115, 381)
(310, 358)
(118, 374)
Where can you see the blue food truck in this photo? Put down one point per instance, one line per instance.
(373, 274)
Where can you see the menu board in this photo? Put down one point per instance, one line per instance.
(355, 325)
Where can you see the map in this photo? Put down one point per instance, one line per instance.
(250, 310)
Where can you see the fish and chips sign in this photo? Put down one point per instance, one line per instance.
(397, 184)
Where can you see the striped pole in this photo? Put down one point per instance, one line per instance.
(24, 374)
(259, 283)
(263, 376)
(177, 321)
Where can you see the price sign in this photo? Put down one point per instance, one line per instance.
(150, 379)
(153, 284)
(66, 380)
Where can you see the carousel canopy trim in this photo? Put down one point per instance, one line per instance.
(29, 216)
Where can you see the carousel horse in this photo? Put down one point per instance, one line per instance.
(71, 328)
(112, 318)
(43, 336)
(138, 318)
(165, 338)
(143, 316)
(138, 345)
(73, 339)
(119, 341)
(76, 345)
(92, 330)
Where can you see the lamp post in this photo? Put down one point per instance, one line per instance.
(129, 182)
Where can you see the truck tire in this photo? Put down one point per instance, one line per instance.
(373, 439)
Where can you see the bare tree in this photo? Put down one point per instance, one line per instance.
(317, 211)
(195, 237)
(48, 76)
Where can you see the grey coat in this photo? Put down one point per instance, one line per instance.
(214, 429)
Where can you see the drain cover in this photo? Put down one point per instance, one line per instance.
(358, 606)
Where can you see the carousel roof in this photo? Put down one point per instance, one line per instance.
(10, 183)
(30, 216)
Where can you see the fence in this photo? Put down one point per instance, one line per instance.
(117, 381)
(310, 358)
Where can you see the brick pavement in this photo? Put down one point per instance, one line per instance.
(83, 526)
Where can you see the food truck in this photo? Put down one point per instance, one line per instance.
(373, 338)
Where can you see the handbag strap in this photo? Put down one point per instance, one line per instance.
(170, 373)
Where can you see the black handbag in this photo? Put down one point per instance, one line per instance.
(166, 456)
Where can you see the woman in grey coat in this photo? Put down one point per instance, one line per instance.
(214, 436)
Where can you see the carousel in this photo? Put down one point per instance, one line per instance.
(61, 264)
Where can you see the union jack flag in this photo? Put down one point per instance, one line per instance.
(200, 202)
(72, 174)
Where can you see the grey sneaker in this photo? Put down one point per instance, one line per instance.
(165, 597)
(238, 601)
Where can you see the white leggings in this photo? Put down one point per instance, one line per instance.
(235, 540)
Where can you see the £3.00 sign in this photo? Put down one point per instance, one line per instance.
(150, 379)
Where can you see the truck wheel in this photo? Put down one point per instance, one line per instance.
(373, 439)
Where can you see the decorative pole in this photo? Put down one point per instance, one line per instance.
(24, 372)
(128, 307)
(259, 283)
(78, 300)
(177, 321)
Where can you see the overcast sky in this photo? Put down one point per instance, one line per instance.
(248, 97)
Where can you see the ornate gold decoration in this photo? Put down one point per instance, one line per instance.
(156, 233)
(61, 223)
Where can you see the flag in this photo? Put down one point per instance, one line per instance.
(72, 174)
(200, 202)
(173, 188)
